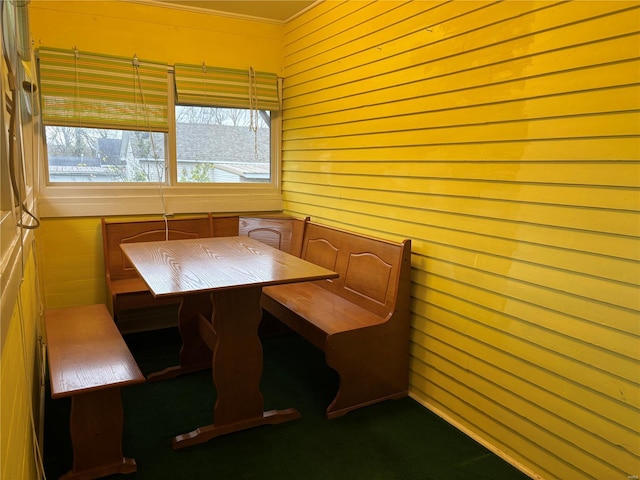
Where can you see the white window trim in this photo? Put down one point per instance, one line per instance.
(86, 200)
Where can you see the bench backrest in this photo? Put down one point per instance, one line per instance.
(374, 273)
(224, 226)
(117, 266)
(283, 233)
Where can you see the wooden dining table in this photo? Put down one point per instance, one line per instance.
(220, 280)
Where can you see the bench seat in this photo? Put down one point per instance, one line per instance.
(359, 320)
(316, 313)
(128, 285)
(278, 231)
(90, 362)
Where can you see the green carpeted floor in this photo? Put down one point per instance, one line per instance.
(394, 440)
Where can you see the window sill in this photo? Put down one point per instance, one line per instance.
(105, 200)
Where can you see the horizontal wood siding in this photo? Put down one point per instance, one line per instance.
(155, 33)
(21, 374)
(503, 138)
(72, 262)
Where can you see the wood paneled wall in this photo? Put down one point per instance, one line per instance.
(503, 138)
(21, 380)
(155, 33)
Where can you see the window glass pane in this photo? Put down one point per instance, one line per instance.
(78, 154)
(227, 145)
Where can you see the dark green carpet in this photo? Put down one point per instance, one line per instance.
(394, 440)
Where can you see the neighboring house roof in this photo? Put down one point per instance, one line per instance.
(198, 142)
(73, 161)
(222, 143)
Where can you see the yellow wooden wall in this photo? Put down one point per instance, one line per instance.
(155, 33)
(20, 376)
(72, 276)
(503, 138)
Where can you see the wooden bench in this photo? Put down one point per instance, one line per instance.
(89, 361)
(127, 292)
(359, 320)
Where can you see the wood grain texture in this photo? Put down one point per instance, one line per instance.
(220, 281)
(126, 290)
(89, 361)
(87, 352)
(193, 266)
(281, 232)
(114, 233)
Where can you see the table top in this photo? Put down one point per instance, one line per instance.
(178, 267)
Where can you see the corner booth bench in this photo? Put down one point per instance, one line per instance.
(359, 320)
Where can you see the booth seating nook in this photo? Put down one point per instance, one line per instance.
(359, 320)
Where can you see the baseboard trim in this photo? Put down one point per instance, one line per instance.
(488, 445)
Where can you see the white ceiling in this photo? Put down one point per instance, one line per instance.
(274, 10)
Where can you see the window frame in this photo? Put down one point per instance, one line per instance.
(219, 163)
(171, 197)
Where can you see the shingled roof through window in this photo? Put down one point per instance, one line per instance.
(222, 143)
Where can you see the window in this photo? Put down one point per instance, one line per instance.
(126, 140)
(78, 154)
(223, 124)
(105, 117)
(224, 145)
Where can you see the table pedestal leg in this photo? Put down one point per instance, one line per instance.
(194, 354)
(96, 436)
(237, 367)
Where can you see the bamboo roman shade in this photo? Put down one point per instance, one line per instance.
(224, 87)
(82, 89)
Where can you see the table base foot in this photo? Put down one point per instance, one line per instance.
(204, 434)
(176, 371)
(128, 465)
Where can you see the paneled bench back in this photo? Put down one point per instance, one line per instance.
(359, 320)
